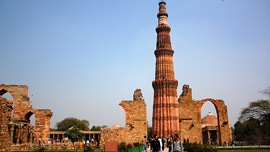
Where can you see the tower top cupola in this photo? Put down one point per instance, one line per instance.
(162, 15)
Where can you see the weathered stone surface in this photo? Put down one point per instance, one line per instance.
(5, 115)
(20, 129)
(190, 118)
(136, 123)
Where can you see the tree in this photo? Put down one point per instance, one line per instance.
(149, 131)
(253, 124)
(74, 134)
(248, 131)
(98, 128)
(259, 110)
(266, 92)
(72, 122)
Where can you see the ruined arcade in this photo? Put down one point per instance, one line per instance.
(17, 128)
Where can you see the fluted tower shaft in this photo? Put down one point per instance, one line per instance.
(165, 119)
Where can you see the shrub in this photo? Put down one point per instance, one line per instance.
(194, 147)
(136, 144)
(40, 149)
(129, 146)
(122, 147)
(89, 148)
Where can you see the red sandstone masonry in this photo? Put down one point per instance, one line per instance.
(19, 123)
(5, 108)
(136, 123)
(165, 108)
(190, 118)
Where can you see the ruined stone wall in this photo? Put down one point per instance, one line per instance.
(190, 118)
(42, 124)
(5, 115)
(112, 134)
(136, 123)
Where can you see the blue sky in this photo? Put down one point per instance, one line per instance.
(81, 58)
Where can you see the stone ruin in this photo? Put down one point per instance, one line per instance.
(5, 108)
(190, 118)
(136, 123)
(16, 128)
(16, 132)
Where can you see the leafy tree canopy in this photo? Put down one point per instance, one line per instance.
(72, 122)
(73, 134)
(98, 128)
(259, 110)
(253, 125)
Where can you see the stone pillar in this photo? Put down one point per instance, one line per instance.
(209, 137)
(31, 137)
(18, 135)
(25, 134)
(12, 132)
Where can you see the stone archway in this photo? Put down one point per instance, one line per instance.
(223, 129)
(42, 123)
(20, 97)
(19, 126)
(216, 104)
(29, 114)
(6, 94)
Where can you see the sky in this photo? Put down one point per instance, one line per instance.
(82, 58)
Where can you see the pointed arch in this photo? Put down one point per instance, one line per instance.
(222, 117)
(6, 94)
(29, 114)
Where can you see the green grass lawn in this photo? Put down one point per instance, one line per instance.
(245, 150)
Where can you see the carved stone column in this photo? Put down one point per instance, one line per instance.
(31, 135)
(18, 134)
(12, 126)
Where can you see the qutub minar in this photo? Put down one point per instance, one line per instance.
(165, 109)
(182, 115)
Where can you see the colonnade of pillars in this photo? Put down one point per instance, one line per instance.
(58, 136)
(21, 133)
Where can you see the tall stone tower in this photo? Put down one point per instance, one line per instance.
(165, 119)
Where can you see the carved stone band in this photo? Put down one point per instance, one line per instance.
(159, 52)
